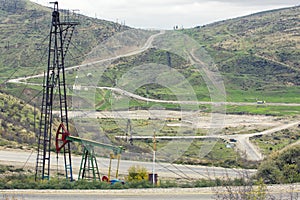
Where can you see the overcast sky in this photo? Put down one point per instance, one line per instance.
(165, 14)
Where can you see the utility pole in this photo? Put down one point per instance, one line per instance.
(34, 120)
(154, 158)
(129, 132)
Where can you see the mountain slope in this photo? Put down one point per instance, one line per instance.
(17, 121)
(24, 32)
(24, 35)
(258, 53)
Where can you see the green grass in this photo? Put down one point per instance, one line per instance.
(221, 152)
(251, 68)
(23, 179)
(272, 94)
(219, 155)
(264, 110)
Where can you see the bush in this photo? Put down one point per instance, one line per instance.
(283, 167)
(137, 173)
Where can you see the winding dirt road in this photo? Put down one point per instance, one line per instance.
(243, 143)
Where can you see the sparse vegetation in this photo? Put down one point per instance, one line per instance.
(16, 178)
(269, 144)
(256, 54)
(17, 122)
(25, 27)
(282, 166)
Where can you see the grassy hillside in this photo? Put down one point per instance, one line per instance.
(24, 32)
(257, 54)
(17, 122)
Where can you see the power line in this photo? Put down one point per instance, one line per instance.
(178, 174)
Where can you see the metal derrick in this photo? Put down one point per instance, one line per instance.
(60, 37)
(54, 85)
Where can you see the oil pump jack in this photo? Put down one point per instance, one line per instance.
(88, 162)
(61, 33)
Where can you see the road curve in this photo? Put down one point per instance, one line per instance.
(243, 140)
(243, 143)
(147, 45)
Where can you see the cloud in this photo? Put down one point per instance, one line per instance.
(164, 14)
(261, 2)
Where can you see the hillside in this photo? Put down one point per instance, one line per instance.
(257, 54)
(17, 122)
(24, 32)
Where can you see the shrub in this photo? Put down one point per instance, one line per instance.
(282, 167)
(137, 173)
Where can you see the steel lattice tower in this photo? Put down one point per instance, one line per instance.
(60, 38)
